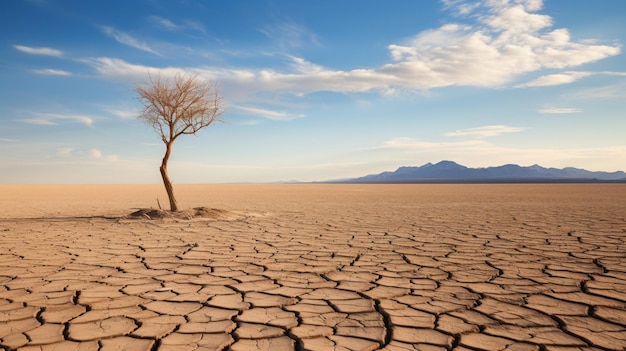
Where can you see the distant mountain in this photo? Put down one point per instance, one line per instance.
(448, 171)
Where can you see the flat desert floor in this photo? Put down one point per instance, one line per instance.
(315, 267)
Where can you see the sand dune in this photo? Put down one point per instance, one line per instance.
(315, 267)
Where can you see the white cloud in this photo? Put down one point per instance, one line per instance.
(39, 50)
(124, 113)
(269, 114)
(609, 92)
(555, 79)
(127, 39)
(506, 41)
(38, 121)
(53, 118)
(486, 131)
(565, 78)
(243, 82)
(617, 74)
(99, 155)
(117, 68)
(52, 72)
(556, 110)
(91, 156)
(459, 7)
(516, 19)
(7, 140)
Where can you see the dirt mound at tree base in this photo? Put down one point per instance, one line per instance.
(196, 212)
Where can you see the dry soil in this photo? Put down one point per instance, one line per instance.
(314, 267)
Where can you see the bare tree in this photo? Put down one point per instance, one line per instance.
(174, 107)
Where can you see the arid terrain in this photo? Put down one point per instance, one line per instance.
(314, 267)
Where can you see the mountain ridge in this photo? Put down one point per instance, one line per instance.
(450, 171)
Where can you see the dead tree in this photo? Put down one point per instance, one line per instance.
(174, 107)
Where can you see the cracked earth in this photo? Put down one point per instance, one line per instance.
(369, 267)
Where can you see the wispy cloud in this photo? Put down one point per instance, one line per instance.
(39, 50)
(127, 39)
(404, 143)
(480, 153)
(566, 78)
(169, 25)
(52, 72)
(84, 155)
(118, 68)
(38, 121)
(269, 114)
(459, 7)
(53, 119)
(7, 140)
(508, 40)
(289, 34)
(617, 74)
(555, 79)
(195, 25)
(163, 23)
(615, 91)
(484, 132)
(124, 113)
(99, 155)
(561, 110)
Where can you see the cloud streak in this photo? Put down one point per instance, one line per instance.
(52, 72)
(269, 114)
(39, 50)
(560, 111)
(164, 23)
(127, 39)
(124, 113)
(555, 79)
(484, 132)
(53, 119)
(171, 26)
(409, 144)
(565, 78)
(289, 34)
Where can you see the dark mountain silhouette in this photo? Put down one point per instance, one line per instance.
(448, 171)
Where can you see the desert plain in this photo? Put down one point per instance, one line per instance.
(314, 267)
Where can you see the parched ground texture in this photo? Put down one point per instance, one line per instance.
(316, 267)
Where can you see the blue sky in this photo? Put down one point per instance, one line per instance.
(315, 90)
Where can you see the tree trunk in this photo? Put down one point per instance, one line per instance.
(166, 179)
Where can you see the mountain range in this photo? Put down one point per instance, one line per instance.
(452, 172)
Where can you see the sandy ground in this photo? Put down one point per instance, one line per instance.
(315, 267)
